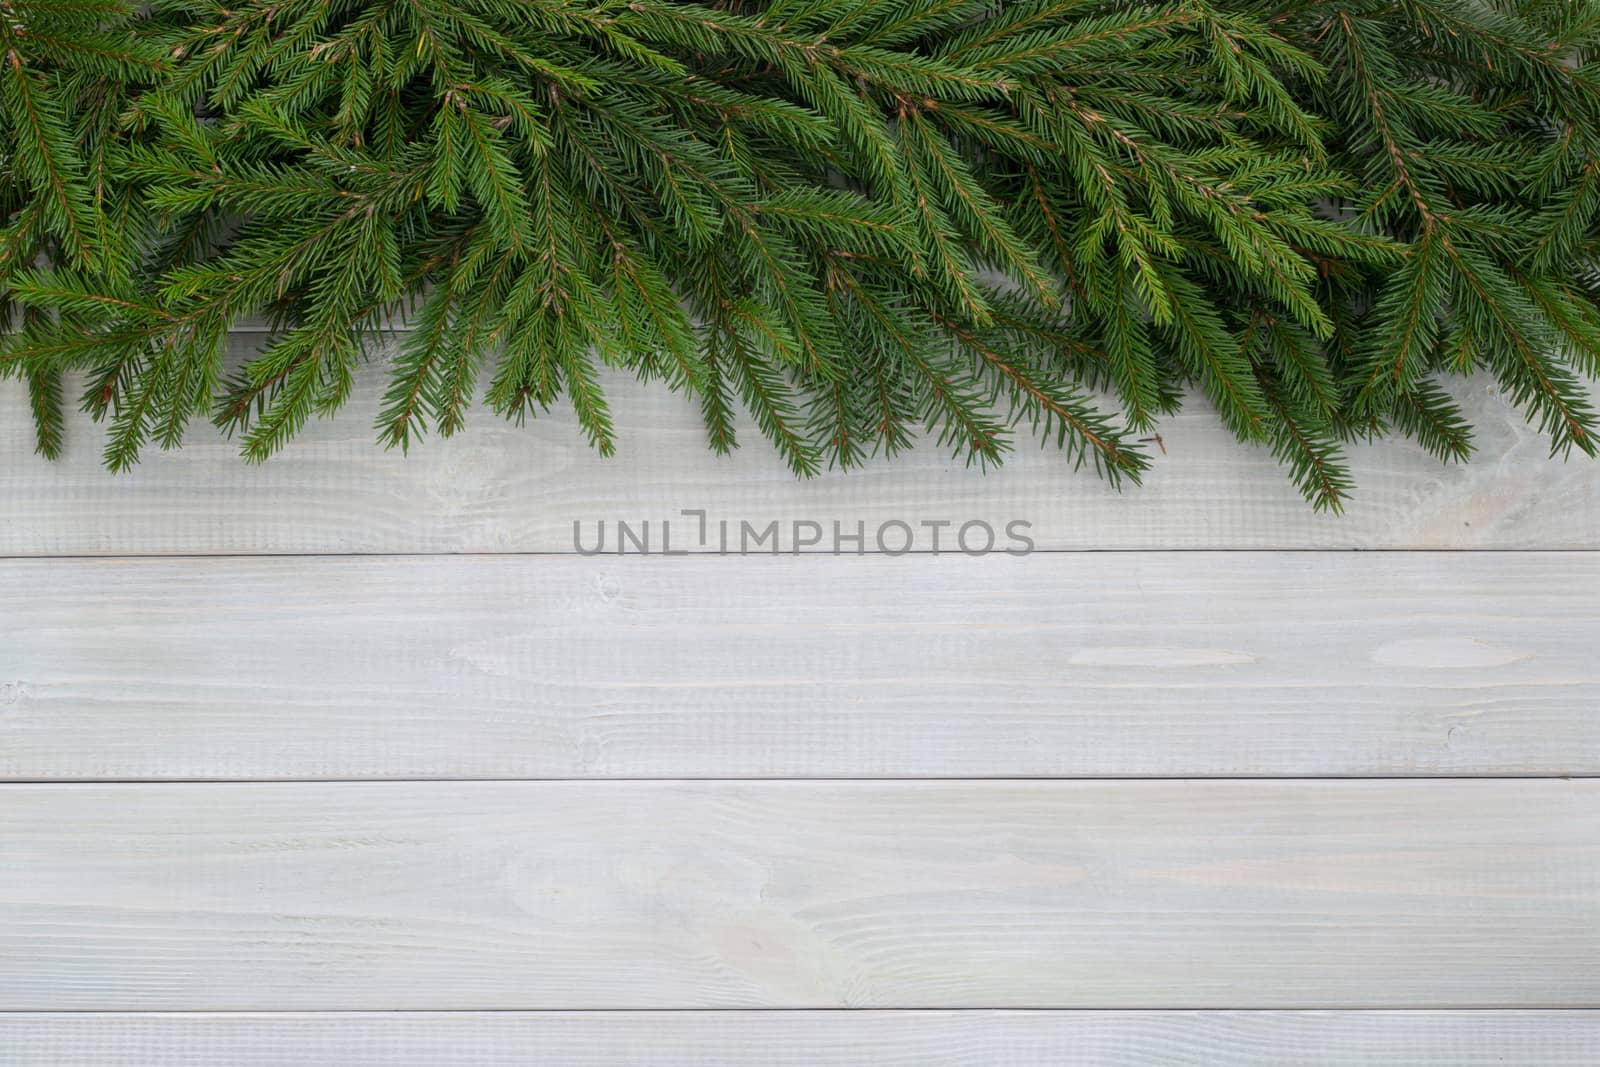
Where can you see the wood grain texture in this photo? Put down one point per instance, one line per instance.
(806, 1039)
(557, 895)
(1115, 665)
(497, 488)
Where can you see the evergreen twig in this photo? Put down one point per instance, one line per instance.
(855, 219)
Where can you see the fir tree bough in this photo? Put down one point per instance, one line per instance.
(862, 221)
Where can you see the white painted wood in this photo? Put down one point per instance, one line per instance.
(559, 895)
(1071, 664)
(806, 1039)
(499, 488)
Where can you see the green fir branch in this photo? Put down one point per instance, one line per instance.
(852, 223)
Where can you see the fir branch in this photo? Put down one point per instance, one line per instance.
(856, 220)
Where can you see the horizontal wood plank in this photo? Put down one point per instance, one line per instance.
(562, 895)
(806, 1039)
(498, 488)
(1109, 665)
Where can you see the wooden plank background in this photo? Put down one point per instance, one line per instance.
(1060, 664)
(801, 894)
(1131, 807)
(805, 1039)
(499, 488)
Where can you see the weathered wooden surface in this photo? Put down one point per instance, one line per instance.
(805, 1039)
(497, 488)
(1069, 664)
(418, 900)
(523, 895)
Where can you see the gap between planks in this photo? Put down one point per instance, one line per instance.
(1585, 1013)
(812, 778)
(872, 554)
